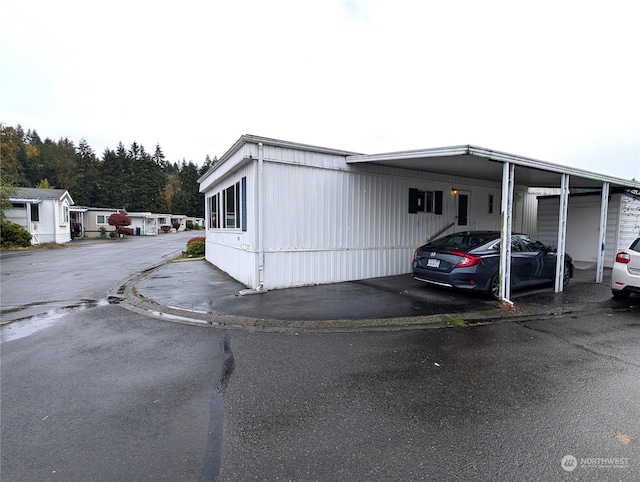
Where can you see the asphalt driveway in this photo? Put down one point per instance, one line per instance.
(197, 287)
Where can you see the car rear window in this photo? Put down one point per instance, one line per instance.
(635, 246)
(462, 241)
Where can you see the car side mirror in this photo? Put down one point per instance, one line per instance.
(552, 249)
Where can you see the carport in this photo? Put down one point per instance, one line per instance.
(485, 164)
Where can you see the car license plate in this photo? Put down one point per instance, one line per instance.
(433, 263)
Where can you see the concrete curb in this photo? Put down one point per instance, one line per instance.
(127, 296)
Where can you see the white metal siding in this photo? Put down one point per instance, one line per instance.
(324, 225)
(583, 226)
(232, 250)
(50, 228)
(326, 221)
(525, 213)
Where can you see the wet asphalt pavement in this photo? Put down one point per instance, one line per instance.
(194, 290)
(343, 389)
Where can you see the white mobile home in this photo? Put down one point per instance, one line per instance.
(42, 212)
(144, 223)
(281, 214)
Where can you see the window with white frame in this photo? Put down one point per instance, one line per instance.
(231, 206)
(213, 211)
(425, 201)
(227, 209)
(64, 215)
(102, 219)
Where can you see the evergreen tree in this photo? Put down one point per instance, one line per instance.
(187, 197)
(123, 178)
(208, 164)
(88, 176)
(114, 177)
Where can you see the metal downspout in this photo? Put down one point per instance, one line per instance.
(260, 217)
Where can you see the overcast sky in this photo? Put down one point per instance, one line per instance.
(552, 80)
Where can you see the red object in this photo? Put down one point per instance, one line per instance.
(467, 259)
(199, 239)
(623, 257)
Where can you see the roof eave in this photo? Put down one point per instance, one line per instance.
(25, 200)
(252, 139)
(494, 156)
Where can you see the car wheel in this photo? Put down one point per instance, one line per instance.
(494, 287)
(566, 276)
(620, 295)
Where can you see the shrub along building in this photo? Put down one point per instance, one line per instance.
(282, 214)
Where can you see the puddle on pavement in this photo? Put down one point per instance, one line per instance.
(28, 326)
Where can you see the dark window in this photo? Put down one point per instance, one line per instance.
(490, 203)
(413, 201)
(516, 247)
(425, 201)
(532, 244)
(463, 241)
(213, 211)
(437, 203)
(35, 212)
(244, 203)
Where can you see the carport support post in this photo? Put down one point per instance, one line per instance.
(505, 231)
(604, 207)
(562, 231)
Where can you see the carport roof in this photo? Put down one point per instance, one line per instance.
(481, 163)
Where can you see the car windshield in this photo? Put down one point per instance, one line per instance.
(463, 241)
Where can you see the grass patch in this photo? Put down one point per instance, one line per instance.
(453, 320)
(50, 245)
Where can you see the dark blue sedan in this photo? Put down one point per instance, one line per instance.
(470, 260)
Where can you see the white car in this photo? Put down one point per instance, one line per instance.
(625, 275)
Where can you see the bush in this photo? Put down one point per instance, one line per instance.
(118, 220)
(14, 236)
(189, 224)
(197, 239)
(195, 249)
